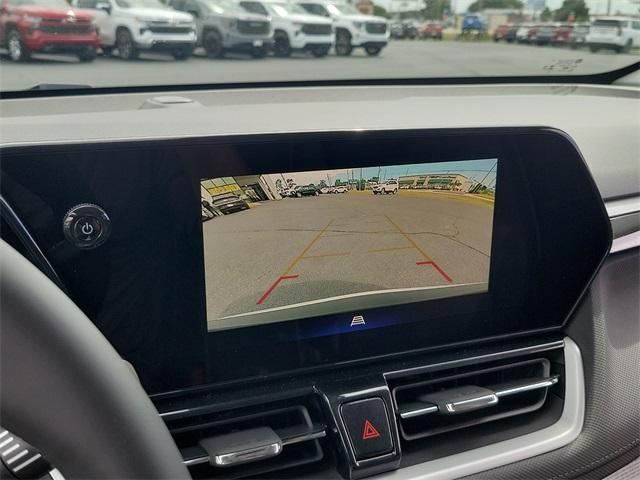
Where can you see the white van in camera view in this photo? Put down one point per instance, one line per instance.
(294, 28)
(132, 26)
(353, 29)
(223, 26)
(618, 33)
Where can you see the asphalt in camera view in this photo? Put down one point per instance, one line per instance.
(284, 252)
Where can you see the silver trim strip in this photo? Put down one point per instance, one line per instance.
(498, 394)
(56, 475)
(626, 242)
(561, 433)
(28, 462)
(251, 455)
(419, 411)
(6, 442)
(195, 461)
(175, 412)
(526, 388)
(483, 401)
(291, 441)
(624, 206)
(304, 438)
(17, 457)
(11, 449)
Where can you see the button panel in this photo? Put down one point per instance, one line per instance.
(368, 427)
(86, 226)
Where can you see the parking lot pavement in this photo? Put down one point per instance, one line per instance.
(303, 249)
(399, 59)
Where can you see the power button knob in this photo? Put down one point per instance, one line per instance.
(86, 226)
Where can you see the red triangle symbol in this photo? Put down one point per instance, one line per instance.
(369, 431)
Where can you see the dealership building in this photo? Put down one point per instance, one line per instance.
(452, 182)
(253, 188)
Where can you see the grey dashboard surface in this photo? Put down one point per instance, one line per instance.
(603, 121)
(607, 329)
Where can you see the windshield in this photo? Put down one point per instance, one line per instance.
(342, 9)
(140, 4)
(286, 9)
(223, 6)
(355, 40)
(254, 7)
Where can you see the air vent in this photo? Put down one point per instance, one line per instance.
(454, 400)
(250, 441)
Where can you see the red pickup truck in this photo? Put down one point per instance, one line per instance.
(46, 26)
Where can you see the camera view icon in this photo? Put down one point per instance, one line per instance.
(358, 320)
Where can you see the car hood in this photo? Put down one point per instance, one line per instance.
(54, 13)
(302, 18)
(253, 17)
(363, 18)
(160, 14)
(243, 16)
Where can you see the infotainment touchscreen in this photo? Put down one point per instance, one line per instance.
(292, 245)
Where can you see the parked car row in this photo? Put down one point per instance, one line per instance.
(297, 191)
(413, 29)
(616, 33)
(130, 27)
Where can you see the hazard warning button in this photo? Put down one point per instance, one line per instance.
(368, 427)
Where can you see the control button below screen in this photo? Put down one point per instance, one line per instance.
(368, 427)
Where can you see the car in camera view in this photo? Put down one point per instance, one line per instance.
(353, 29)
(46, 26)
(223, 26)
(135, 26)
(294, 28)
(228, 203)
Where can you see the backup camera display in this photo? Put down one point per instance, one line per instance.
(295, 245)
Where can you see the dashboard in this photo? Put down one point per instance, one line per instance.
(357, 288)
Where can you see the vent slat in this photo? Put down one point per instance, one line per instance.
(455, 400)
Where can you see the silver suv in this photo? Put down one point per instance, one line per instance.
(223, 26)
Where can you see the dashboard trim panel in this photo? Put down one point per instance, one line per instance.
(561, 433)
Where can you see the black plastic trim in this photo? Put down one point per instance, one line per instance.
(38, 258)
(605, 78)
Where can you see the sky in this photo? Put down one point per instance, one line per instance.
(474, 169)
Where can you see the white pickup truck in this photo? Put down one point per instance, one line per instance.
(390, 186)
(352, 28)
(132, 26)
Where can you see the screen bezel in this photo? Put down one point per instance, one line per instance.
(529, 303)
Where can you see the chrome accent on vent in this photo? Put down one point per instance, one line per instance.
(288, 436)
(513, 388)
(561, 433)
